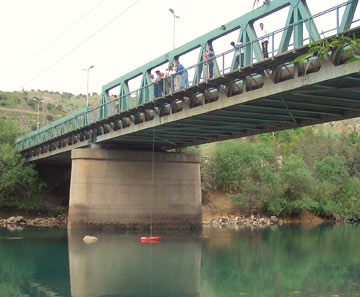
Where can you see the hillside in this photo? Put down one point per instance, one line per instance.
(20, 107)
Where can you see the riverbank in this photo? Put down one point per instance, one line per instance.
(218, 211)
(19, 222)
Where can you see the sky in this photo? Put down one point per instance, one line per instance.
(46, 44)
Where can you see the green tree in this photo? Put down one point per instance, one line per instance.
(246, 170)
(297, 188)
(19, 182)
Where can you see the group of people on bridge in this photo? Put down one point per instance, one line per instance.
(175, 74)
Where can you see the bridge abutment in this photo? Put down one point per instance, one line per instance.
(122, 190)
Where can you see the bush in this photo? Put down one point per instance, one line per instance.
(193, 150)
(19, 183)
(31, 104)
(49, 117)
(320, 172)
(296, 189)
(247, 169)
(59, 107)
(332, 169)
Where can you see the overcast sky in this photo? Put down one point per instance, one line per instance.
(46, 44)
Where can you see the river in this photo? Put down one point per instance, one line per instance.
(280, 261)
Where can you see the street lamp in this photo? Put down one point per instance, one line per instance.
(38, 113)
(87, 84)
(175, 16)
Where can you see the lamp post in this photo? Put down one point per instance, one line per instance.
(175, 17)
(38, 113)
(87, 84)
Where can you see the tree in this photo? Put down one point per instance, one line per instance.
(19, 183)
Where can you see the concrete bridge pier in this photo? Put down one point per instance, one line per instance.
(114, 190)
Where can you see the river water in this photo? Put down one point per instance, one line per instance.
(279, 261)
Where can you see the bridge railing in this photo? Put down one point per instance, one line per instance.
(235, 59)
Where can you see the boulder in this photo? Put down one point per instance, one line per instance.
(16, 220)
(274, 219)
(90, 239)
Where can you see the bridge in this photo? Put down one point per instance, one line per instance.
(244, 93)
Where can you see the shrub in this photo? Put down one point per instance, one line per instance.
(31, 104)
(59, 107)
(247, 169)
(19, 182)
(193, 150)
(332, 169)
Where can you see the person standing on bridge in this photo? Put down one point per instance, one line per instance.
(169, 72)
(264, 40)
(238, 50)
(208, 63)
(182, 75)
(158, 83)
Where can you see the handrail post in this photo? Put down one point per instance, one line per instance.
(337, 21)
(223, 63)
(251, 53)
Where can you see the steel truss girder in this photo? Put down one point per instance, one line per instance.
(289, 102)
(348, 15)
(271, 115)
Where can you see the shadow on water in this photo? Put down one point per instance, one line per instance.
(286, 261)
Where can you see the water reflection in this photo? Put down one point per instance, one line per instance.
(280, 262)
(123, 266)
(288, 261)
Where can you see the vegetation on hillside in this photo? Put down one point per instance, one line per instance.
(290, 171)
(20, 186)
(19, 107)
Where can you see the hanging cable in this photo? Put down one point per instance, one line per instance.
(81, 43)
(152, 180)
(51, 42)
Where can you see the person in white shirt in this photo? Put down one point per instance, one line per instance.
(264, 41)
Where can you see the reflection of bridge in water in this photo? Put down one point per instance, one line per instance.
(261, 95)
(123, 266)
(43, 263)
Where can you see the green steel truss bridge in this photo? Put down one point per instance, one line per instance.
(256, 96)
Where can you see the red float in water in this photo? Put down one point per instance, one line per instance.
(150, 239)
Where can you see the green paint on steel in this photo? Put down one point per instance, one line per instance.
(348, 15)
(124, 97)
(103, 111)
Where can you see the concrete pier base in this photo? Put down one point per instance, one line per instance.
(122, 190)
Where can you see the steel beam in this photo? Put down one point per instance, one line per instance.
(348, 15)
